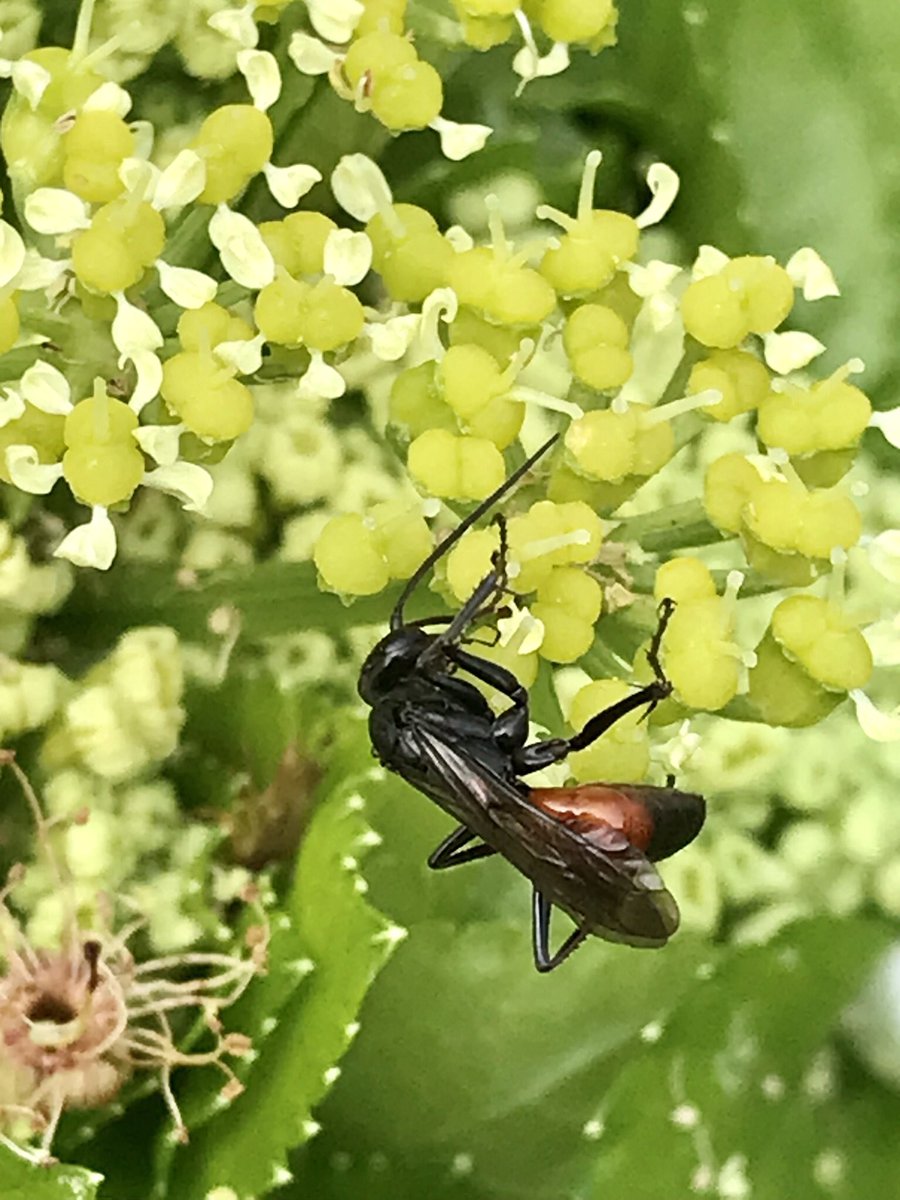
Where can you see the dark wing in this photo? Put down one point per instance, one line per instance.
(611, 890)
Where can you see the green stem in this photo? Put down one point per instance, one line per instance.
(642, 580)
(675, 527)
(188, 242)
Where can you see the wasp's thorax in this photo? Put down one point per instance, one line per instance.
(392, 660)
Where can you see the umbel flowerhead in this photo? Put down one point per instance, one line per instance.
(80, 1017)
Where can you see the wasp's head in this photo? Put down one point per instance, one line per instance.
(392, 661)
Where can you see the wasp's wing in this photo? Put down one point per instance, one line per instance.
(609, 889)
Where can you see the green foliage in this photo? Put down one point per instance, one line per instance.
(20, 1180)
(745, 1083)
(328, 945)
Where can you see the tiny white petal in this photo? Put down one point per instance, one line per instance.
(459, 141)
(310, 55)
(12, 406)
(181, 182)
(391, 339)
(187, 287)
(90, 545)
(875, 724)
(190, 483)
(662, 310)
(460, 239)
(236, 24)
(39, 273)
(663, 183)
(55, 211)
(321, 381)
(335, 20)
(360, 187)
(889, 424)
(108, 97)
(521, 622)
(347, 256)
(27, 471)
(807, 270)
(260, 69)
(709, 261)
(149, 371)
(288, 184)
(46, 388)
(785, 352)
(244, 254)
(159, 441)
(244, 356)
(12, 253)
(652, 278)
(528, 64)
(884, 640)
(139, 176)
(30, 80)
(884, 554)
(144, 133)
(133, 329)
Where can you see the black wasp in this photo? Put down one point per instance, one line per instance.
(587, 849)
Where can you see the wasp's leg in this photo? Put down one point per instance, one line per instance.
(510, 729)
(543, 959)
(500, 557)
(450, 852)
(543, 754)
(483, 600)
(480, 601)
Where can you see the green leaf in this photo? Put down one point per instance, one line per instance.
(470, 1064)
(342, 942)
(21, 1180)
(742, 1095)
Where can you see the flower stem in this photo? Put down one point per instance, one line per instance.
(675, 527)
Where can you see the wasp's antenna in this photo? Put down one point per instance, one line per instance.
(466, 523)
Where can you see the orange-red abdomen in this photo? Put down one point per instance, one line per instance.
(601, 805)
(655, 820)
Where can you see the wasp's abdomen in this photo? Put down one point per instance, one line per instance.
(657, 821)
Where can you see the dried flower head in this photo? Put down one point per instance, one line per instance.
(78, 1019)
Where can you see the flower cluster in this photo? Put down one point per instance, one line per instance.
(215, 354)
(156, 339)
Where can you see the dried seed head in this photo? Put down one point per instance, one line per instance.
(78, 1019)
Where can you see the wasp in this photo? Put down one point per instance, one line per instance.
(589, 849)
